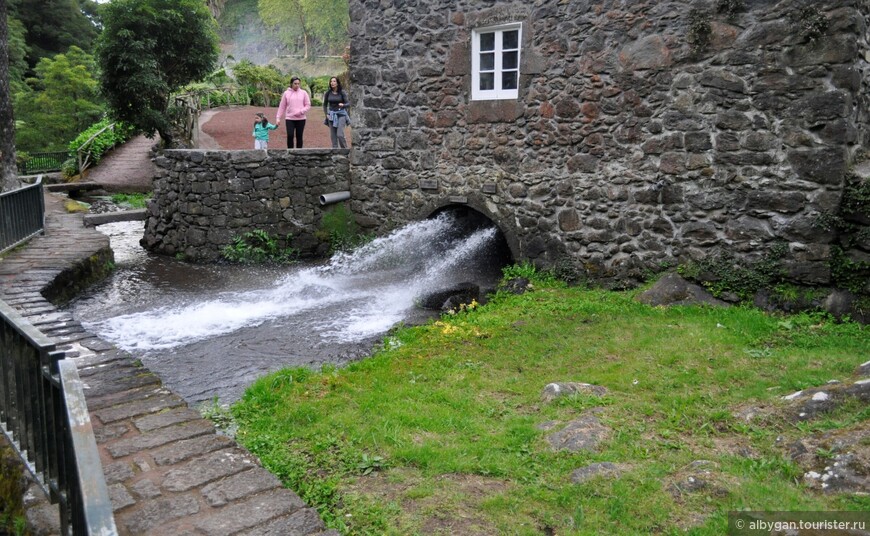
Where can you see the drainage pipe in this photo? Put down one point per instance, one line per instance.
(334, 197)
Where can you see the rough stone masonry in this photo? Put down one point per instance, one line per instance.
(630, 145)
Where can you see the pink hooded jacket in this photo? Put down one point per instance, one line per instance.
(294, 105)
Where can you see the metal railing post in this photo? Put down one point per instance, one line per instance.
(44, 415)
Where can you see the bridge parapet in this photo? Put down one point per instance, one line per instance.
(203, 199)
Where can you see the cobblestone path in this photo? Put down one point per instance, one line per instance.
(168, 471)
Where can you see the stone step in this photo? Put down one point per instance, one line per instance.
(112, 217)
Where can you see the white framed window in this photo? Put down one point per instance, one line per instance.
(495, 62)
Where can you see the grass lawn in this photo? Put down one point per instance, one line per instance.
(444, 430)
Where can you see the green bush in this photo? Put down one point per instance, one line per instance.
(21, 160)
(104, 142)
(257, 247)
(69, 168)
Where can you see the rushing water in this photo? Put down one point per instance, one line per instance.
(211, 330)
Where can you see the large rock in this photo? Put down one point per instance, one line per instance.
(552, 391)
(585, 433)
(674, 290)
(460, 293)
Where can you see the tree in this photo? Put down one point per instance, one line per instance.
(63, 100)
(267, 80)
(323, 21)
(55, 25)
(18, 51)
(8, 176)
(150, 48)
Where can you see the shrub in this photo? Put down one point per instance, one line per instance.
(257, 247)
(104, 141)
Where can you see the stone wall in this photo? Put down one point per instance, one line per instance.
(203, 199)
(628, 148)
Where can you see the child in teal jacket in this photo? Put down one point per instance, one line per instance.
(261, 131)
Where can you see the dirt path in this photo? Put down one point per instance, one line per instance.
(230, 128)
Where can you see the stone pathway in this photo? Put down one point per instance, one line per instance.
(168, 471)
(127, 168)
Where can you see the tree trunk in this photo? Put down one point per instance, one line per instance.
(8, 176)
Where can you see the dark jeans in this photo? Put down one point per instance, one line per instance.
(294, 129)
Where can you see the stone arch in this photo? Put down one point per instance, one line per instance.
(485, 210)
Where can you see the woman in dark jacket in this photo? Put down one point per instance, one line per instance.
(335, 105)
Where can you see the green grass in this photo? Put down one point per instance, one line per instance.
(439, 431)
(133, 201)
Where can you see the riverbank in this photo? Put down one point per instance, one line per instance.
(674, 417)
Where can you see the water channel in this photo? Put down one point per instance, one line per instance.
(210, 330)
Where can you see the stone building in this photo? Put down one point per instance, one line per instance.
(618, 136)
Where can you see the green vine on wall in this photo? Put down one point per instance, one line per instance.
(724, 274)
(699, 32)
(850, 225)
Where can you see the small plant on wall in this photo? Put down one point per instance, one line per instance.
(810, 23)
(258, 247)
(699, 31)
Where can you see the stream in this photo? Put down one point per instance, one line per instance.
(210, 330)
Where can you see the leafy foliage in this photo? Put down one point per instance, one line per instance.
(107, 139)
(53, 26)
(132, 200)
(62, 100)
(305, 24)
(268, 82)
(850, 226)
(18, 49)
(724, 274)
(258, 247)
(150, 48)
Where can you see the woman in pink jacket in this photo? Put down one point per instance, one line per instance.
(295, 103)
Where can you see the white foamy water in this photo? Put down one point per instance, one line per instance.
(361, 294)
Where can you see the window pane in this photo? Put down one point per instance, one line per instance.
(487, 81)
(510, 39)
(508, 60)
(487, 61)
(487, 41)
(508, 80)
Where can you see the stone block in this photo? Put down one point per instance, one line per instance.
(166, 418)
(160, 400)
(152, 514)
(240, 485)
(650, 52)
(206, 469)
(303, 522)
(131, 445)
(822, 166)
(260, 509)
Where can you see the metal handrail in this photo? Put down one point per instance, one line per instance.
(22, 215)
(44, 415)
(43, 162)
(83, 163)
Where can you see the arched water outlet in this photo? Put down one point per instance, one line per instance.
(211, 330)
